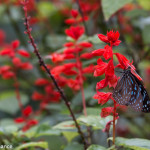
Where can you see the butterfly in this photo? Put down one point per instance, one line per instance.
(130, 91)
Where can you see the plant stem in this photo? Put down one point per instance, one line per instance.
(114, 125)
(79, 66)
(42, 63)
(82, 15)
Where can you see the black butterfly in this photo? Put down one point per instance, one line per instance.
(130, 91)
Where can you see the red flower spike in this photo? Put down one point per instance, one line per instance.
(106, 111)
(102, 97)
(15, 44)
(110, 68)
(27, 111)
(75, 32)
(23, 53)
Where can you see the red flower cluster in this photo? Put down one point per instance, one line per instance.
(50, 94)
(108, 69)
(26, 119)
(76, 18)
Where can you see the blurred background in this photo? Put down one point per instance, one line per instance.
(25, 89)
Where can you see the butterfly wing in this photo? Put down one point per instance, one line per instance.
(122, 92)
(140, 100)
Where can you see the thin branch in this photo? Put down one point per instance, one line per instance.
(82, 15)
(42, 63)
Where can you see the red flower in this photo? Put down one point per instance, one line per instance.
(15, 44)
(41, 82)
(75, 32)
(23, 53)
(100, 68)
(110, 68)
(27, 111)
(102, 84)
(19, 120)
(37, 96)
(106, 111)
(102, 97)
(74, 13)
(112, 38)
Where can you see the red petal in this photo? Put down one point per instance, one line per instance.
(27, 111)
(85, 44)
(102, 84)
(106, 111)
(86, 56)
(19, 120)
(74, 13)
(103, 38)
(108, 52)
(23, 53)
(41, 82)
(98, 52)
(15, 44)
(110, 68)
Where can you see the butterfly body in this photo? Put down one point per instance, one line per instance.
(131, 92)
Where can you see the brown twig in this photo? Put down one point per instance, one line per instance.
(42, 63)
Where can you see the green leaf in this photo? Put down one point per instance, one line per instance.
(95, 121)
(111, 6)
(9, 103)
(70, 135)
(33, 144)
(46, 9)
(74, 146)
(96, 147)
(146, 34)
(145, 4)
(135, 144)
(65, 125)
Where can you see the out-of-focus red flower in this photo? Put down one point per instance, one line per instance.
(23, 53)
(112, 38)
(100, 68)
(15, 44)
(74, 13)
(85, 44)
(2, 37)
(107, 127)
(41, 82)
(88, 69)
(86, 55)
(106, 111)
(102, 97)
(37, 96)
(19, 120)
(27, 111)
(75, 32)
